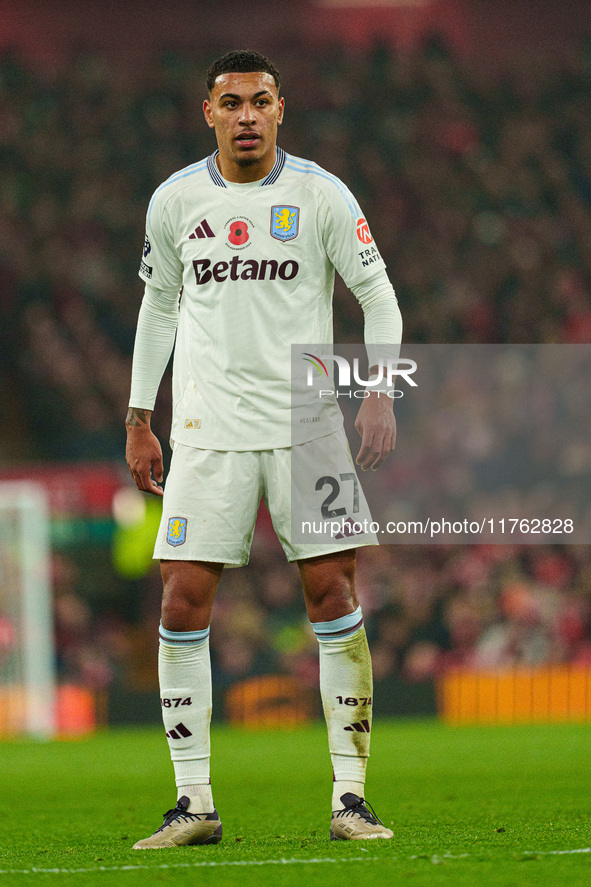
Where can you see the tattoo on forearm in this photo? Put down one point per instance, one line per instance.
(137, 418)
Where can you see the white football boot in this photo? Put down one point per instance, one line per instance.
(181, 829)
(356, 822)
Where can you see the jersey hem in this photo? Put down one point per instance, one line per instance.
(280, 443)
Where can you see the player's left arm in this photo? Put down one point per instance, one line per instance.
(376, 423)
(353, 252)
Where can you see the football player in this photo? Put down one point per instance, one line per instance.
(239, 261)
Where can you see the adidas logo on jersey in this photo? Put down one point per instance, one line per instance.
(359, 727)
(202, 230)
(180, 731)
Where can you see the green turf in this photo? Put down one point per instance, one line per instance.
(478, 806)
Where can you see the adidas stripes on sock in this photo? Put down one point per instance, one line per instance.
(346, 688)
(185, 695)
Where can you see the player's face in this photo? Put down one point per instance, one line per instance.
(245, 111)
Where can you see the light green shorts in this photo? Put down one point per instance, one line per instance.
(211, 500)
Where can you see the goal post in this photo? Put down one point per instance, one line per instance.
(27, 653)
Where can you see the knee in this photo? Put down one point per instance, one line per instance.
(326, 591)
(187, 598)
(177, 607)
(330, 592)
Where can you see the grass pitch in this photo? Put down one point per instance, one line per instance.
(506, 806)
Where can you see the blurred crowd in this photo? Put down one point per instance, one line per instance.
(477, 186)
(494, 435)
(427, 609)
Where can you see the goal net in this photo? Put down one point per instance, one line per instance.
(27, 671)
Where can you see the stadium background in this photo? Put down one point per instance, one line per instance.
(464, 129)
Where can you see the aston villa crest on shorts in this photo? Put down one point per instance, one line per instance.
(285, 222)
(177, 530)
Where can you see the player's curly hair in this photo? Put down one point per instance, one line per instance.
(241, 61)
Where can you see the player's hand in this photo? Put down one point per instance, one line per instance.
(376, 425)
(143, 453)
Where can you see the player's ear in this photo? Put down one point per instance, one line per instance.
(281, 110)
(207, 113)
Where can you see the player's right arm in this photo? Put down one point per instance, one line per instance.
(161, 269)
(143, 452)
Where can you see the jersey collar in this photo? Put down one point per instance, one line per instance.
(217, 179)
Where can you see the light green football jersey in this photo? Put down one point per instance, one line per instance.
(255, 264)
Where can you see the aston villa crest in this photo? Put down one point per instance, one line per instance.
(177, 531)
(285, 222)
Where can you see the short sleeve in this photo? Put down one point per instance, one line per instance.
(160, 265)
(347, 239)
